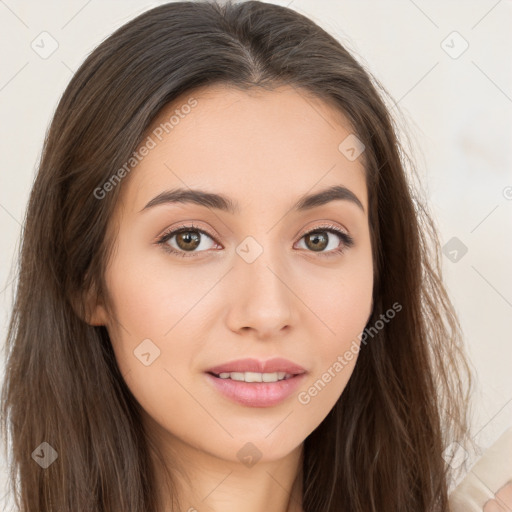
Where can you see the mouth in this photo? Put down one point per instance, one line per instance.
(254, 368)
(254, 376)
(252, 383)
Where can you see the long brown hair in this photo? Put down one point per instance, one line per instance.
(381, 446)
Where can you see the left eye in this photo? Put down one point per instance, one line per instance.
(187, 239)
(320, 242)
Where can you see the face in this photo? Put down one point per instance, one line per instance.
(257, 274)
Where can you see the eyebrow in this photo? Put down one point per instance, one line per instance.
(221, 202)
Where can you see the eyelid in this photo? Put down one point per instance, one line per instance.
(190, 226)
(325, 225)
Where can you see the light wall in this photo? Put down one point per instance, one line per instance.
(458, 110)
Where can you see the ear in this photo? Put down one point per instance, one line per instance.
(98, 316)
(90, 308)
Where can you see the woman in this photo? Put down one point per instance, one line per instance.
(229, 295)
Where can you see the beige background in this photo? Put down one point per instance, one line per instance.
(458, 110)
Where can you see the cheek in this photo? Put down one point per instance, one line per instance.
(153, 347)
(149, 299)
(343, 309)
(152, 309)
(340, 298)
(348, 307)
(336, 354)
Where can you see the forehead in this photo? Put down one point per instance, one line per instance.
(253, 145)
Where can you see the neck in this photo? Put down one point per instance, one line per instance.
(202, 482)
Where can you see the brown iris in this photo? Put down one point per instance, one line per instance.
(318, 240)
(188, 240)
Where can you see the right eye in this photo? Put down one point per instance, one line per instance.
(186, 239)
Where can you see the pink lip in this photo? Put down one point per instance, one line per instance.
(253, 365)
(256, 394)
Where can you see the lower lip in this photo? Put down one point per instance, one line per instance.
(257, 394)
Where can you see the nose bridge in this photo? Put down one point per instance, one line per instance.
(261, 299)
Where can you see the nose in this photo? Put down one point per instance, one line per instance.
(262, 301)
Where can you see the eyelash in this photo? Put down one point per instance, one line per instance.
(347, 240)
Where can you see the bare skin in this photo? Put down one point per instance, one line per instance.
(502, 501)
(264, 150)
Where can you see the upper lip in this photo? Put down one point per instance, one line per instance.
(277, 364)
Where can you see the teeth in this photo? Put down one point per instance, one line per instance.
(256, 377)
